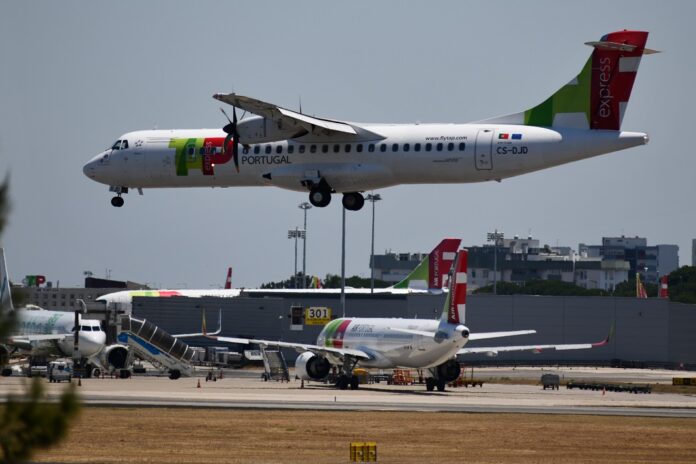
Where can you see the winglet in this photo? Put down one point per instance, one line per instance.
(606, 341)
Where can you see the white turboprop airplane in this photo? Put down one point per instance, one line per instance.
(291, 150)
(47, 333)
(407, 343)
(428, 277)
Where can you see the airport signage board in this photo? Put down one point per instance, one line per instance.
(317, 315)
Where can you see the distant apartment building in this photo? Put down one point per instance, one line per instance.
(651, 261)
(520, 260)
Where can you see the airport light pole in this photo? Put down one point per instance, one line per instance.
(495, 237)
(304, 206)
(343, 262)
(295, 234)
(373, 198)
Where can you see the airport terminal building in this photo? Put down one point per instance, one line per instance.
(648, 332)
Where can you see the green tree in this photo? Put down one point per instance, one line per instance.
(682, 285)
(27, 421)
(628, 288)
(542, 287)
(334, 281)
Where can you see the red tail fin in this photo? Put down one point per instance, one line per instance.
(456, 311)
(440, 261)
(228, 281)
(614, 66)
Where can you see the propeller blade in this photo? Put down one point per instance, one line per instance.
(235, 153)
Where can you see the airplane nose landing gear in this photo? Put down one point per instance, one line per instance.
(117, 201)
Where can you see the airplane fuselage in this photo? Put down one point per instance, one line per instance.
(40, 322)
(391, 348)
(403, 154)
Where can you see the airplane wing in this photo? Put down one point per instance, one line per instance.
(24, 341)
(203, 332)
(473, 336)
(316, 349)
(494, 350)
(283, 116)
(487, 335)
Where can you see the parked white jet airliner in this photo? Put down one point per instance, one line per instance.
(291, 150)
(43, 333)
(409, 343)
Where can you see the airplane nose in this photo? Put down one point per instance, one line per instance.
(88, 170)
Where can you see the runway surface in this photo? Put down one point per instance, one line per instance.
(245, 390)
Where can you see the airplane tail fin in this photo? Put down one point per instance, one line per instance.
(597, 97)
(5, 295)
(228, 280)
(454, 311)
(430, 273)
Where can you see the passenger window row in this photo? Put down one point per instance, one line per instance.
(348, 147)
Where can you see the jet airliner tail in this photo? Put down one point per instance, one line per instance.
(454, 311)
(597, 97)
(430, 273)
(5, 296)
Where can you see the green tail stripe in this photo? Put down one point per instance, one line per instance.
(571, 98)
(421, 272)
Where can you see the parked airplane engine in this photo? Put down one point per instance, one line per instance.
(309, 366)
(449, 371)
(261, 130)
(115, 356)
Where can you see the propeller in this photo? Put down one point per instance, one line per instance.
(231, 131)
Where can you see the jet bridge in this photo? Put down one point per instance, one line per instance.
(153, 344)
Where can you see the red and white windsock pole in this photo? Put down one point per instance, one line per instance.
(664, 287)
(456, 313)
(228, 281)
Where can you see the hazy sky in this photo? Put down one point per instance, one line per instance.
(77, 75)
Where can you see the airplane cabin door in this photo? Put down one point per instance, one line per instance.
(483, 150)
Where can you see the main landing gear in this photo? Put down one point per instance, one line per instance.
(346, 378)
(320, 196)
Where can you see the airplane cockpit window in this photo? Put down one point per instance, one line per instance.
(86, 328)
(116, 145)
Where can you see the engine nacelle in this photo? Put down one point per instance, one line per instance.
(114, 356)
(449, 370)
(309, 366)
(261, 130)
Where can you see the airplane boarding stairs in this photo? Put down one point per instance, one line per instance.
(274, 364)
(152, 344)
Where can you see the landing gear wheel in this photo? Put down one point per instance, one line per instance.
(117, 202)
(174, 374)
(430, 384)
(353, 201)
(320, 197)
(342, 382)
(441, 385)
(96, 373)
(354, 382)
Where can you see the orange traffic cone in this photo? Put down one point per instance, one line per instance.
(199, 384)
(604, 391)
(79, 381)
